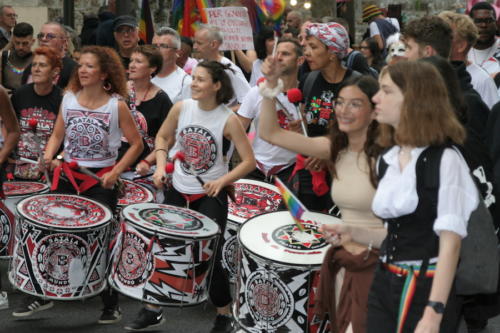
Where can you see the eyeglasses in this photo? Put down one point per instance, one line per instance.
(49, 36)
(125, 30)
(355, 105)
(164, 46)
(11, 15)
(487, 20)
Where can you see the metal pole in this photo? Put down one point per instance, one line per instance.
(69, 13)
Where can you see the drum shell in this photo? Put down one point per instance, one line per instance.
(135, 271)
(60, 263)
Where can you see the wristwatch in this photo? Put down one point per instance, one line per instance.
(59, 157)
(437, 306)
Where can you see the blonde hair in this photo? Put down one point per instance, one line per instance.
(427, 117)
(462, 25)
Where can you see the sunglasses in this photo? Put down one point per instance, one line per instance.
(125, 30)
(487, 20)
(49, 36)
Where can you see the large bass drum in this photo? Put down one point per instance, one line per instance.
(278, 272)
(61, 247)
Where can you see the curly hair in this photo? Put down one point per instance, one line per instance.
(218, 73)
(110, 64)
(53, 57)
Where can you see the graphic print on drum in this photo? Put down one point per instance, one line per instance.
(164, 254)
(56, 256)
(6, 232)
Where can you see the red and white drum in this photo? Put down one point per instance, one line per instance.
(252, 198)
(133, 193)
(61, 243)
(278, 272)
(146, 182)
(14, 192)
(163, 254)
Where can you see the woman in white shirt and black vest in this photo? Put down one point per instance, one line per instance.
(413, 286)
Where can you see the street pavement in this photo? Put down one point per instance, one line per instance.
(81, 317)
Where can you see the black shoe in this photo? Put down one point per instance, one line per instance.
(32, 305)
(146, 319)
(223, 324)
(110, 316)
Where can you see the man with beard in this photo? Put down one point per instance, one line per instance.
(18, 58)
(485, 52)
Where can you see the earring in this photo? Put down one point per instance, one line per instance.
(106, 85)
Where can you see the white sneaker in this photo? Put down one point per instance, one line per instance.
(4, 300)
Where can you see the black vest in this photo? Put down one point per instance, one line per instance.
(411, 237)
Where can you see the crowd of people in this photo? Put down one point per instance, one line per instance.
(371, 119)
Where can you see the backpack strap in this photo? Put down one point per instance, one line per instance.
(351, 57)
(308, 85)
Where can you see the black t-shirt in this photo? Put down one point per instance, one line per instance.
(155, 111)
(28, 104)
(319, 103)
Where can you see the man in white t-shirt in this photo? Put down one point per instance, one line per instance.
(465, 35)
(171, 78)
(207, 41)
(271, 159)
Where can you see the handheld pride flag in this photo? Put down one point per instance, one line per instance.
(293, 204)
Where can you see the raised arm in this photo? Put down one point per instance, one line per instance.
(270, 131)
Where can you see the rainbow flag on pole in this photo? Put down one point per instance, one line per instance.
(146, 29)
(293, 204)
(188, 14)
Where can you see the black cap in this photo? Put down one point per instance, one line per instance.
(125, 20)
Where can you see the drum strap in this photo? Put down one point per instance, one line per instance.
(192, 197)
(86, 181)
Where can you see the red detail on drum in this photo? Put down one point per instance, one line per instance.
(22, 188)
(275, 247)
(134, 217)
(31, 245)
(265, 237)
(134, 193)
(252, 200)
(304, 252)
(182, 283)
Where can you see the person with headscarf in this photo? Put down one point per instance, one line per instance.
(326, 44)
(381, 27)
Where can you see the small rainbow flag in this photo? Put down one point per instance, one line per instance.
(293, 204)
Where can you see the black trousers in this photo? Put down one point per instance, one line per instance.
(219, 292)
(384, 299)
(283, 175)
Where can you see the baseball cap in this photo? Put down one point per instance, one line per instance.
(125, 20)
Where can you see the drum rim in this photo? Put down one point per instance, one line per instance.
(163, 235)
(124, 219)
(103, 224)
(42, 191)
(146, 190)
(283, 263)
(254, 182)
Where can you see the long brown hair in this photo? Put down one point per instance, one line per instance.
(110, 64)
(339, 140)
(427, 117)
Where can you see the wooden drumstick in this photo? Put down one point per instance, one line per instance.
(181, 157)
(74, 165)
(33, 123)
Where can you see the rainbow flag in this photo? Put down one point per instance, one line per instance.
(146, 29)
(293, 204)
(273, 10)
(188, 14)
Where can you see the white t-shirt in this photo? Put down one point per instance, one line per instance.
(486, 58)
(238, 81)
(374, 27)
(177, 85)
(483, 84)
(256, 72)
(268, 154)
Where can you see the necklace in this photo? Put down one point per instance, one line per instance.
(146, 94)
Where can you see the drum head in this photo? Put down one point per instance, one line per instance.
(252, 198)
(23, 188)
(63, 211)
(275, 236)
(170, 220)
(134, 193)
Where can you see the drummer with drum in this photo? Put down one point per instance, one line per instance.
(91, 123)
(202, 127)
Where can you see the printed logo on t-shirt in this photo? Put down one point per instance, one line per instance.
(88, 135)
(319, 110)
(282, 119)
(199, 147)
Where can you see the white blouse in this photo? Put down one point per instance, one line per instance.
(457, 197)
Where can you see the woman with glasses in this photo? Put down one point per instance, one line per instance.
(351, 151)
(371, 52)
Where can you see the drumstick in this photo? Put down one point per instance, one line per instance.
(181, 157)
(33, 123)
(27, 160)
